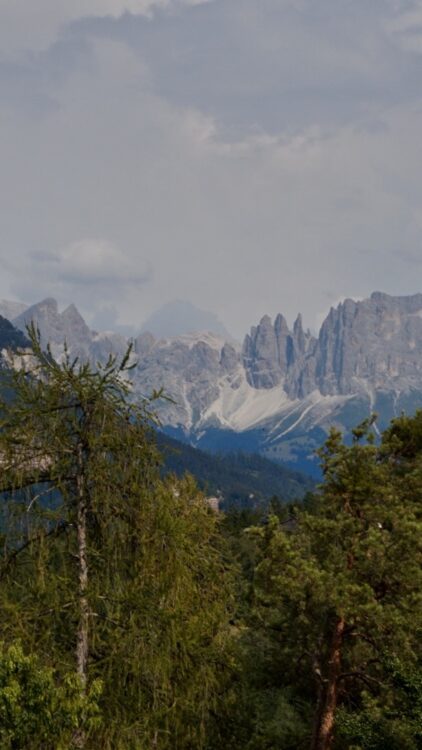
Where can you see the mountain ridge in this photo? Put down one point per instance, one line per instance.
(280, 392)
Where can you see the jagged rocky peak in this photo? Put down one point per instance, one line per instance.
(374, 343)
(271, 351)
(56, 327)
(285, 352)
(408, 304)
(368, 356)
(280, 324)
(69, 326)
(47, 307)
(303, 340)
(45, 316)
(362, 346)
(74, 325)
(261, 353)
(299, 334)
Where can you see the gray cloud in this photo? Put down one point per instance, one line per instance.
(255, 153)
(93, 262)
(89, 267)
(34, 26)
(277, 66)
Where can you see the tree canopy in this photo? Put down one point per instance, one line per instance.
(134, 617)
(336, 602)
(109, 573)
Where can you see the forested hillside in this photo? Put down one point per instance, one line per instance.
(133, 617)
(242, 480)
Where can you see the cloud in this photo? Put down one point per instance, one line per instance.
(91, 262)
(90, 271)
(256, 154)
(405, 27)
(106, 318)
(36, 25)
(413, 256)
(274, 67)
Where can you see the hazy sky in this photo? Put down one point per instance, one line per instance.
(251, 156)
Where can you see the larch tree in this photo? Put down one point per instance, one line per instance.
(71, 444)
(102, 558)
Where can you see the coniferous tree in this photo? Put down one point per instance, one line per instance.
(338, 593)
(105, 568)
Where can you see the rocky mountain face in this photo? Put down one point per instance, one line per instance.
(189, 368)
(272, 352)
(281, 391)
(69, 326)
(374, 344)
(362, 346)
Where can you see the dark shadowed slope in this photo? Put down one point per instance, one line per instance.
(242, 479)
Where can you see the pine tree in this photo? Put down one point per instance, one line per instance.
(339, 591)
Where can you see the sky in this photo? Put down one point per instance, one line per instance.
(247, 156)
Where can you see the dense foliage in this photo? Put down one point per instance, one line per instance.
(111, 576)
(132, 616)
(332, 647)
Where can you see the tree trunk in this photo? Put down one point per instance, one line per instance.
(323, 736)
(82, 634)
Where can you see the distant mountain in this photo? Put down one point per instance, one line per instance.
(181, 317)
(280, 392)
(283, 390)
(241, 480)
(57, 327)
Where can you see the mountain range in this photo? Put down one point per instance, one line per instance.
(279, 392)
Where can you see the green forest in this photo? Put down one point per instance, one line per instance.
(134, 617)
(242, 480)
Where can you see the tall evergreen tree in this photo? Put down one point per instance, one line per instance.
(338, 593)
(103, 559)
